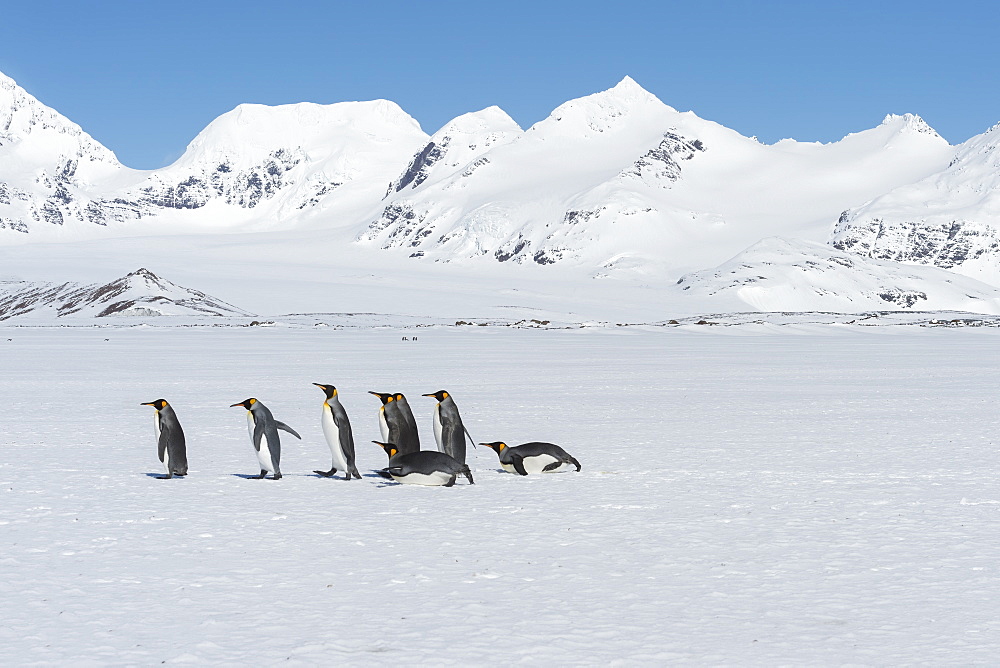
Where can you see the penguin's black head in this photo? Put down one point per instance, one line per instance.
(330, 390)
(158, 404)
(440, 395)
(247, 404)
(389, 448)
(496, 446)
(386, 398)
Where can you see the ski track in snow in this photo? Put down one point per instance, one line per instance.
(828, 498)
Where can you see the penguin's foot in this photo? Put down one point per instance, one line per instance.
(348, 476)
(164, 477)
(356, 474)
(326, 474)
(261, 476)
(468, 474)
(276, 476)
(575, 463)
(450, 483)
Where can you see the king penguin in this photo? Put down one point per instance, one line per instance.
(449, 432)
(531, 457)
(395, 421)
(424, 467)
(264, 436)
(170, 446)
(337, 430)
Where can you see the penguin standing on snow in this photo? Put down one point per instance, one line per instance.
(424, 467)
(170, 446)
(337, 430)
(395, 421)
(531, 457)
(264, 436)
(449, 432)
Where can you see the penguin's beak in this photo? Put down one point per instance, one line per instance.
(148, 403)
(429, 395)
(320, 386)
(235, 405)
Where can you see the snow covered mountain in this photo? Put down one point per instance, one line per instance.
(140, 293)
(788, 275)
(950, 219)
(621, 183)
(614, 185)
(254, 167)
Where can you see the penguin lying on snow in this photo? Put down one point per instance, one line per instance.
(264, 436)
(424, 467)
(170, 446)
(337, 430)
(531, 457)
(449, 431)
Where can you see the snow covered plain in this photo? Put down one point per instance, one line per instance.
(812, 494)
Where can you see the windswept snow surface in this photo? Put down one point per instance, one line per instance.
(822, 498)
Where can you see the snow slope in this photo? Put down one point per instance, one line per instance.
(950, 219)
(788, 275)
(744, 500)
(139, 293)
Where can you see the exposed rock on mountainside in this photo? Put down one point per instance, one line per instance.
(950, 220)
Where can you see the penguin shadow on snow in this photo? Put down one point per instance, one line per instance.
(160, 476)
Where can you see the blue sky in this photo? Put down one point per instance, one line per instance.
(145, 77)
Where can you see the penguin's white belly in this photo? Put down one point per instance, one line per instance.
(538, 463)
(383, 426)
(437, 478)
(264, 454)
(332, 433)
(438, 428)
(509, 468)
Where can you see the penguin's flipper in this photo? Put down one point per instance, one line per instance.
(572, 460)
(384, 473)
(284, 427)
(326, 474)
(468, 474)
(161, 443)
(471, 440)
(258, 434)
(517, 461)
(553, 466)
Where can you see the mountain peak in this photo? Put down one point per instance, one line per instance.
(910, 122)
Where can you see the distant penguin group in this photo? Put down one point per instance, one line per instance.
(400, 441)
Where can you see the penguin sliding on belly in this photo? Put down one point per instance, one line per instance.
(264, 436)
(532, 457)
(449, 432)
(337, 430)
(170, 446)
(396, 422)
(424, 467)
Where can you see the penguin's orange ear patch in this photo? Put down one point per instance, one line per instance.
(253, 401)
(389, 399)
(444, 395)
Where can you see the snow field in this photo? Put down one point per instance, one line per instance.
(827, 498)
